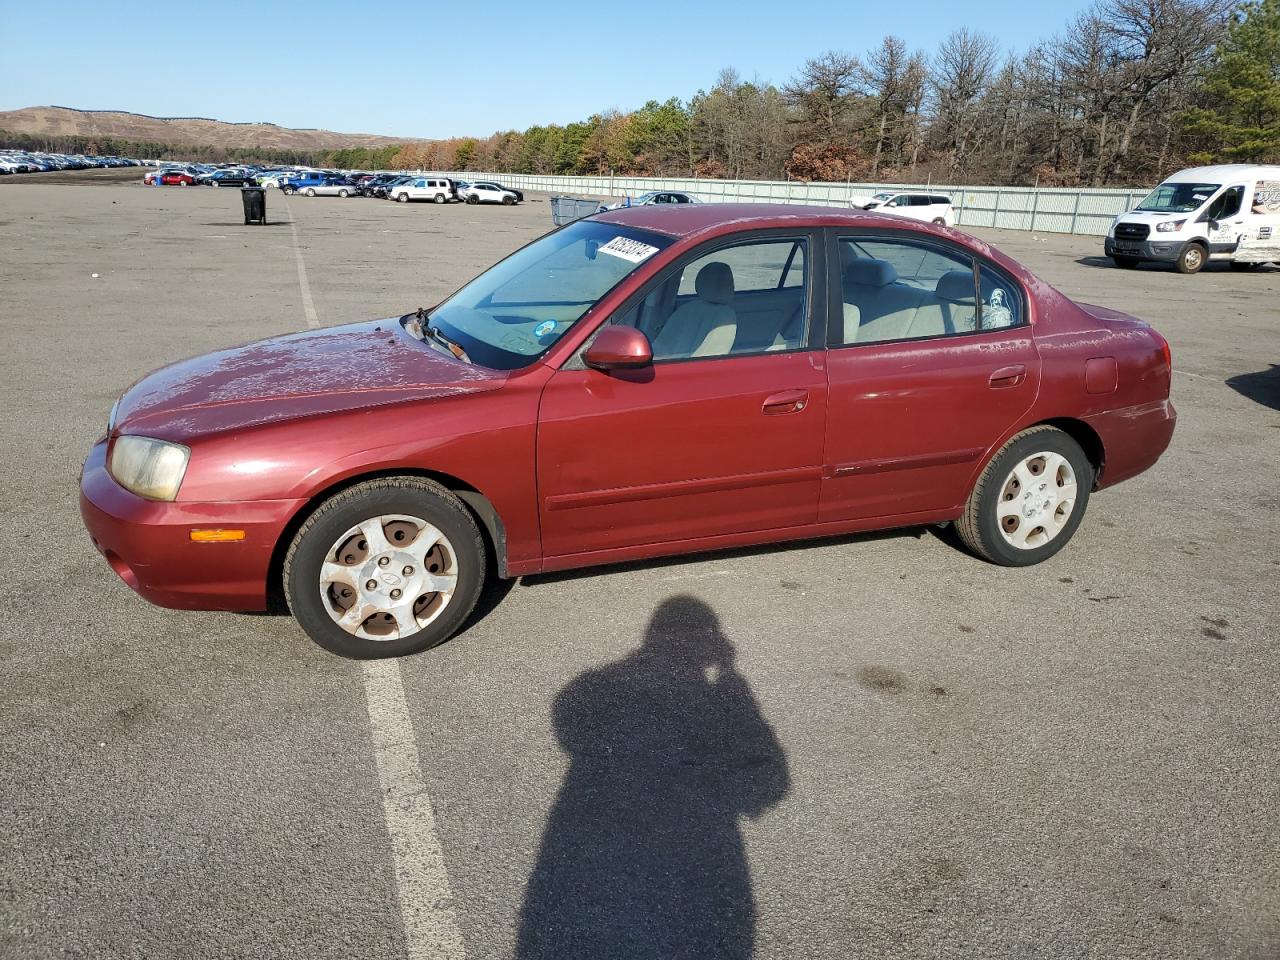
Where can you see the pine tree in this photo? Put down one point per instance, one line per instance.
(1241, 119)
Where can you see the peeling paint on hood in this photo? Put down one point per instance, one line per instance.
(303, 374)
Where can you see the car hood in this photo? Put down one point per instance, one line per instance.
(303, 374)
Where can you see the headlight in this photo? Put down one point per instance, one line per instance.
(1170, 226)
(111, 417)
(149, 468)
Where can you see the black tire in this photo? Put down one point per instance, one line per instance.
(473, 199)
(979, 527)
(311, 191)
(439, 198)
(343, 194)
(288, 191)
(1125, 263)
(940, 221)
(403, 198)
(1192, 258)
(411, 496)
(508, 201)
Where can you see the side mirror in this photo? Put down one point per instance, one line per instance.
(618, 348)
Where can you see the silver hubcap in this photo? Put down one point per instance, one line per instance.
(1193, 258)
(388, 577)
(1036, 500)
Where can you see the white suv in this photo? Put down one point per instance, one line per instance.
(932, 207)
(486, 193)
(436, 189)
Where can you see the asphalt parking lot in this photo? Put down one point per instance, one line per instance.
(905, 752)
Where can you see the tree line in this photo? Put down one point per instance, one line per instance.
(1129, 91)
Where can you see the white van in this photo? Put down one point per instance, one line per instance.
(1228, 213)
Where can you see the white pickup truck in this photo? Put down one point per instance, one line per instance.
(1228, 213)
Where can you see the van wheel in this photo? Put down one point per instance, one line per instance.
(439, 198)
(1191, 259)
(1125, 263)
(1029, 500)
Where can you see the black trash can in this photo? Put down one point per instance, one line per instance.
(255, 203)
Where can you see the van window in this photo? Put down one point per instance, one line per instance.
(1227, 205)
(1178, 197)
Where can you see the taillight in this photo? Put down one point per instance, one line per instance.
(1166, 353)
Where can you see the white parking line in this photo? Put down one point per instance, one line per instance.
(422, 882)
(308, 305)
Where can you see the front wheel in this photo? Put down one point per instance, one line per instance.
(439, 198)
(1029, 500)
(473, 199)
(311, 191)
(386, 568)
(403, 198)
(1191, 259)
(508, 201)
(1125, 263)
(342, 194)
(289, 191)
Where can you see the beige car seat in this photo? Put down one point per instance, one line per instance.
(705, 326)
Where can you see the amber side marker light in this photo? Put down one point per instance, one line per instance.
(216, 536)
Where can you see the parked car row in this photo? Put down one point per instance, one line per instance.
(22, 161)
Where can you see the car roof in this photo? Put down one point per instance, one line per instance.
(687, 220)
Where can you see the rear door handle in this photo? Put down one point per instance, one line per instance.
(1009, 376)
(788, 401)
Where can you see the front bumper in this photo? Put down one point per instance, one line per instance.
(1149, 249)
(148, 543)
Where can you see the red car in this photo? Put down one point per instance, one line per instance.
(177, 178)
(648, 381)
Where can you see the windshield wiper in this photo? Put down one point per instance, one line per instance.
(438, 335)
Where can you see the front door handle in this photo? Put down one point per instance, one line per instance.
(1009, 376)
(788, 401)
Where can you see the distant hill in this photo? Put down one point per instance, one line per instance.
(197, 131)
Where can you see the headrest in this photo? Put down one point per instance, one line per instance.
(714, 283)
(956, 286)
(870, 273)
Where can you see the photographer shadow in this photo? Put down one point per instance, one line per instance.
(643, 855)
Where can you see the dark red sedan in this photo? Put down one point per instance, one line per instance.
(647, 381)
(177, 178)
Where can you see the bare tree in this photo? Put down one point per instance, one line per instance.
(821, 94)
(959, 76)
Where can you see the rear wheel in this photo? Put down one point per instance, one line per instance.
(1029, 500)
(311, 191)
(342, 194)
(940, 221)
(439, 198)
(288, 191)
(403, 198)
(1125, 263)
(1191, 259)
(386, 568)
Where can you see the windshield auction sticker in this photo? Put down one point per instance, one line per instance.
(628, 249)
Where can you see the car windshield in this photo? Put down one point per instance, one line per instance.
(1178, 197)
(514, 312)
(882, 197)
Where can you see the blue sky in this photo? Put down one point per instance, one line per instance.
(436, 70)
